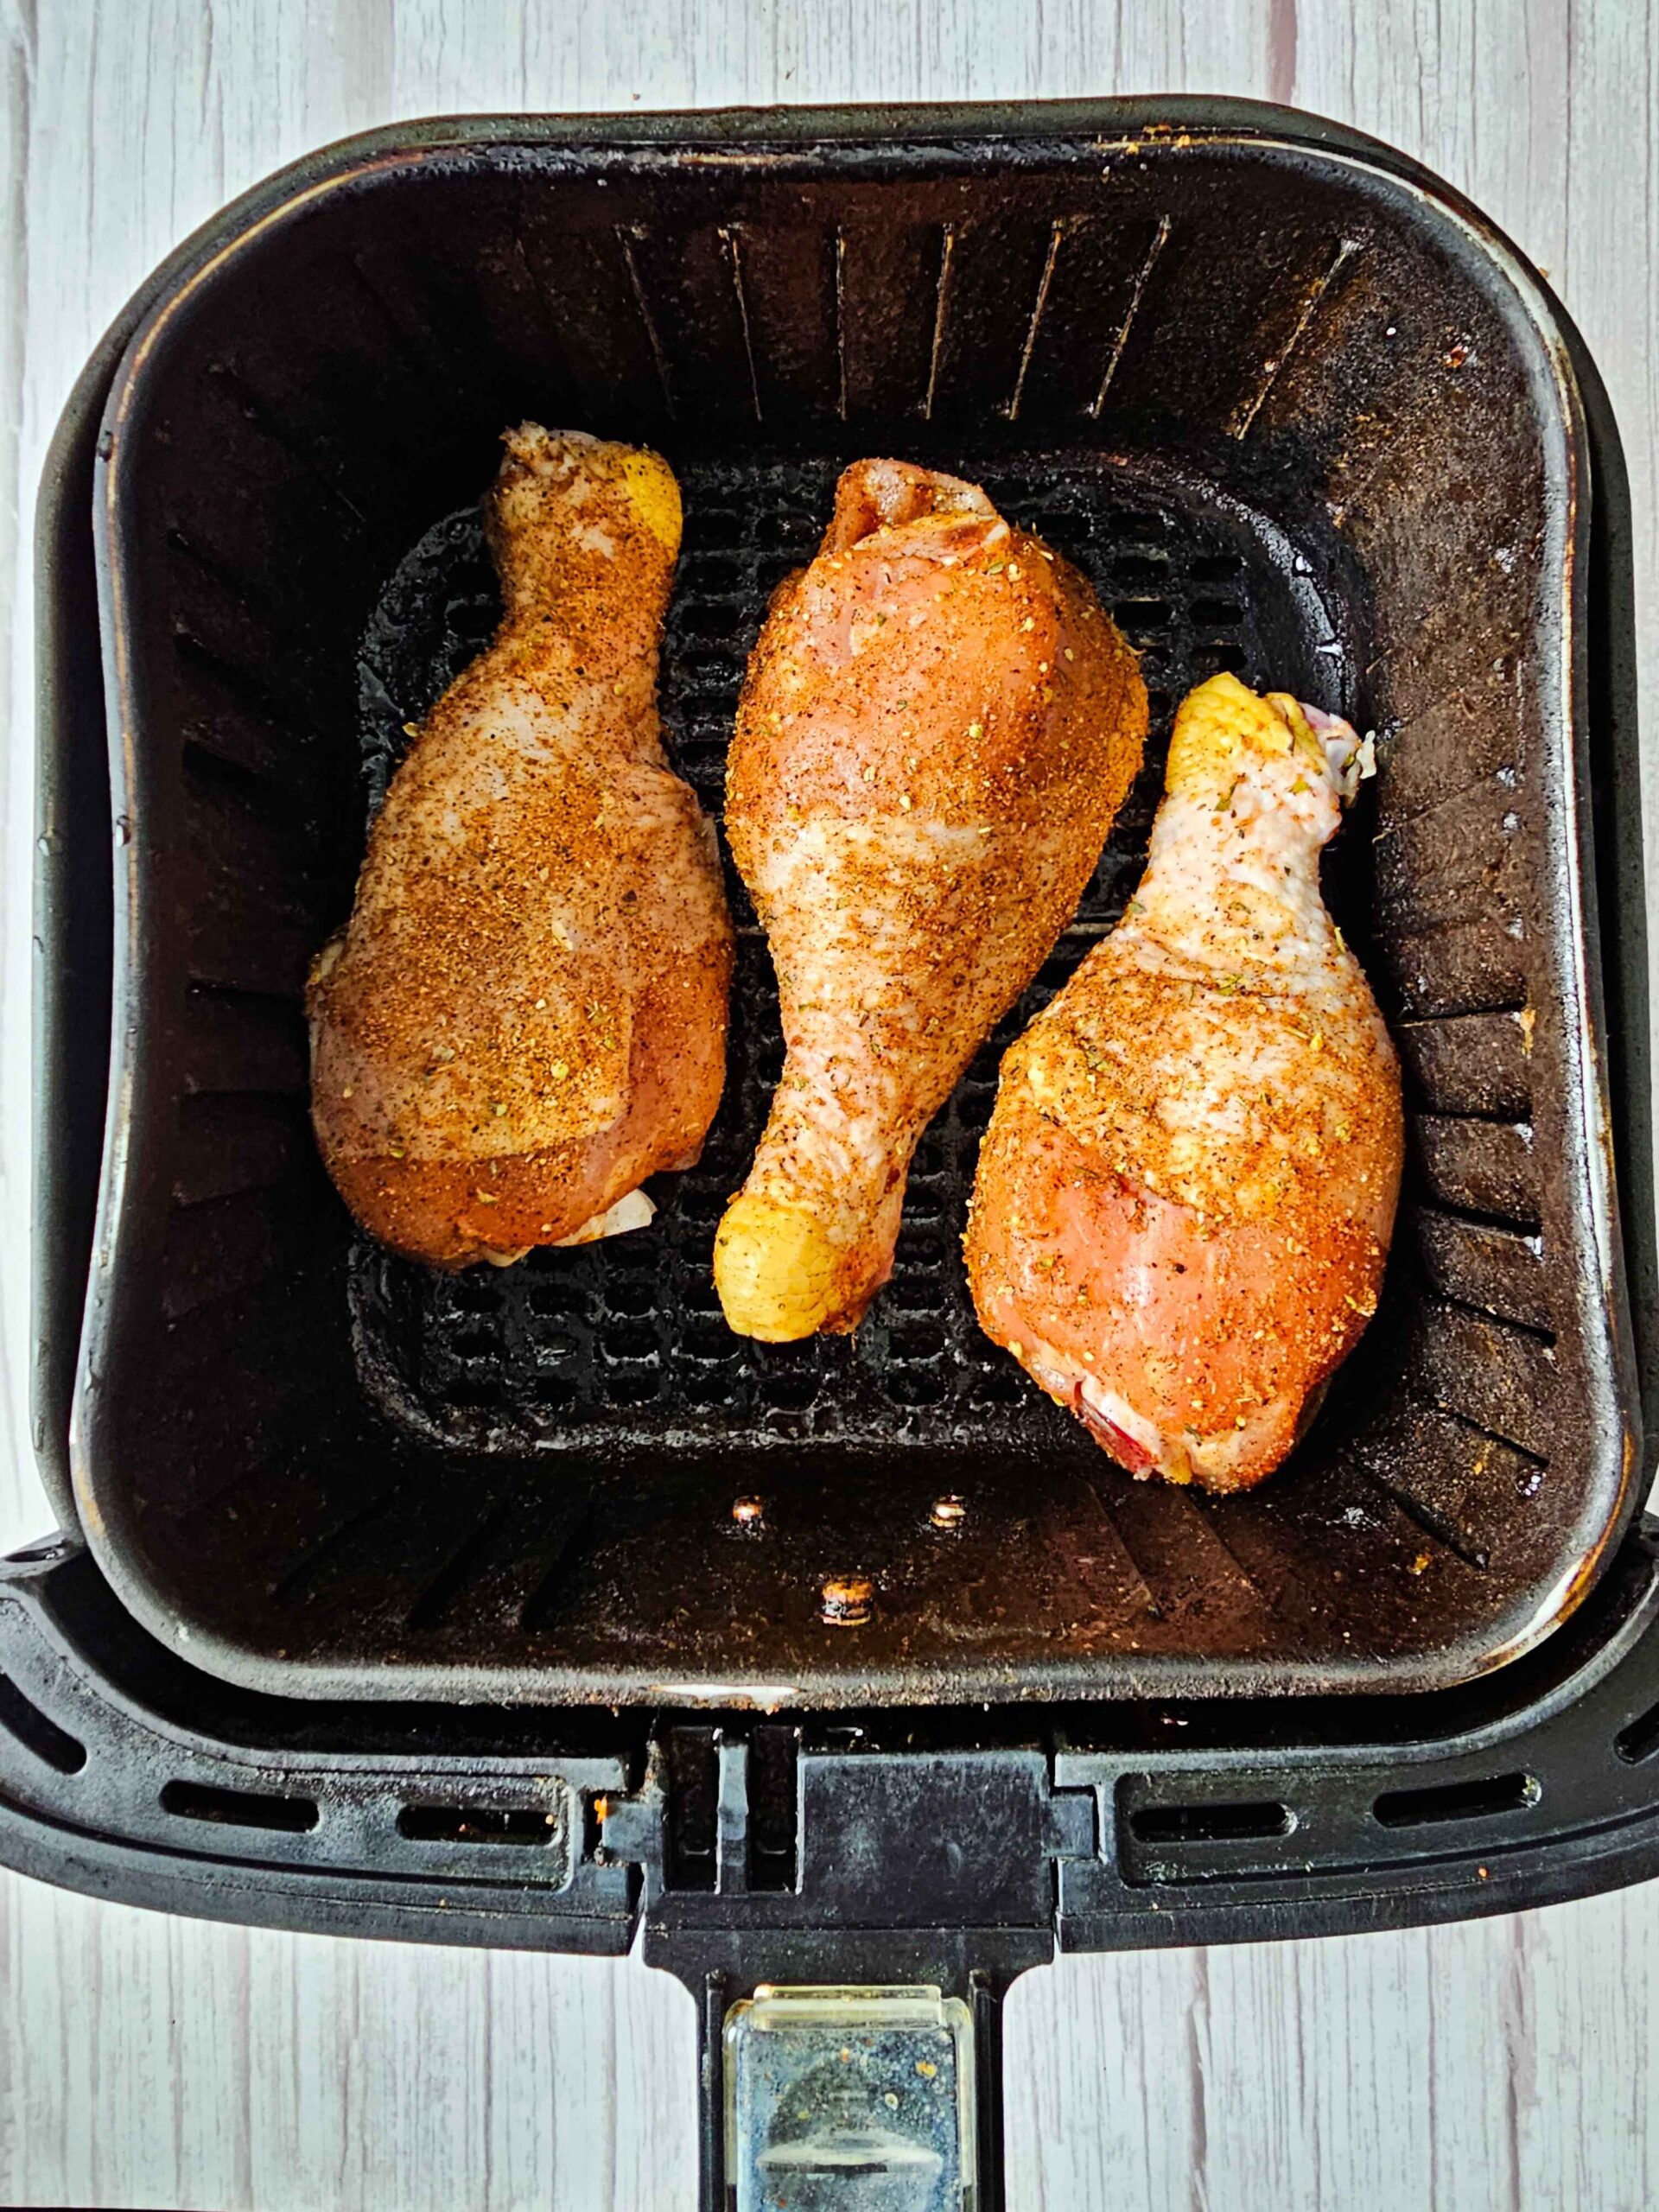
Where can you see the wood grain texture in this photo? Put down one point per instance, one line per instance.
(143, 2062)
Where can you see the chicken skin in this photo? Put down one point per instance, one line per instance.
(937, 727)
(1186, 1194)
(525, 1015)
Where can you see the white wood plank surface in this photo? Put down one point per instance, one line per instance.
(144, 2062)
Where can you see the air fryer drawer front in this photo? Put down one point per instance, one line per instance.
(1297, 414)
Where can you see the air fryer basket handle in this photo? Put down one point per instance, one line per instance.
(976, 2145)
(849, 1998)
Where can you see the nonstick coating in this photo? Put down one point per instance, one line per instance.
(1294, 416)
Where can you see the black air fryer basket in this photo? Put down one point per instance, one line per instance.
(397, 1603)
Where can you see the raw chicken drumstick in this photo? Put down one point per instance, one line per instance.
(1186, 1193)
(938, 726)
(525, 1015)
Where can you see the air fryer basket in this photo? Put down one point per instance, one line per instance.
(1297, 415)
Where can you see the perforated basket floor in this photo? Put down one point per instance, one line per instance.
(622, 1343)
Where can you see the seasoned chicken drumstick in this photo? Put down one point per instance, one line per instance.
(1186, 1193)
(525, 1015)
(936, 728)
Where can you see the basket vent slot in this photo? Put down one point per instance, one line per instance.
(525, 1825)
(1640, 1740)
(24, 1720)
(1244, 1822)
(238, 1808)
(1487, 1797)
